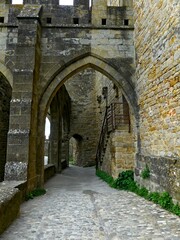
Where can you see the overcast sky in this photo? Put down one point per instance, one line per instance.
(63, 2)
(47, 128)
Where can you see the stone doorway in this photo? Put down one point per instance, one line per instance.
(75, 150)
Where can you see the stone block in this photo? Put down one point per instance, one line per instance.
(10, 200)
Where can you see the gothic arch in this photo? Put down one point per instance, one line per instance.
(6, 73)
(79, 64)
(60, 76)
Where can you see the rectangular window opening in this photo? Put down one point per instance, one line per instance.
(49, 20)
(1, 19)
(76, 20)
(126, 22)
(103, 21)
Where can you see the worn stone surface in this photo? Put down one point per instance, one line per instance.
(10, 200)
(79, 206)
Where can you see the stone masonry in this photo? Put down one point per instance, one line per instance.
(158, 88)
(5, 97)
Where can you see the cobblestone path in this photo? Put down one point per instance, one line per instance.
(79, 206)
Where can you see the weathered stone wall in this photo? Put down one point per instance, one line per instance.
(120, 152)
(42, 45)
(120, 143)
(60, 109)
(114, 15)
(81, 89)
(49, 172)
(158, 88)
(25, 64)
(5, 97)
(123, 151)
(3, 31)
(10, 200)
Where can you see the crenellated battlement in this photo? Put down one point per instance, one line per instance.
(100, 13)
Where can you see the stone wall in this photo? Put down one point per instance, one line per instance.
(10, 200)
(158, 88)
(120, 143)
(5, 89)
(81, 89)
(120, 153)
(5, 97)
(60, 111)
(44, 49)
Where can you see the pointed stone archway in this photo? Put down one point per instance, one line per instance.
(60, 77)
(7, 74)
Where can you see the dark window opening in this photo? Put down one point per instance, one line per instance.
(76, 20)
(103, 21)
(126, 22)
(49, 20)
(1, 19)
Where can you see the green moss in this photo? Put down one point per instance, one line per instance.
(35, 193)
(104, 176)
(145, 173)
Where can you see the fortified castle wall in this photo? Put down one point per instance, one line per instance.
(158, 89)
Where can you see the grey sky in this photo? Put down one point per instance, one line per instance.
(63, 2)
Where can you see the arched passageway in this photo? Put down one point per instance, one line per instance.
(75, 149)
(5, 97)
(49, 95)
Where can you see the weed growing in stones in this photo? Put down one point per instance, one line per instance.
(35, 193)
(145, 174)
(125, 181)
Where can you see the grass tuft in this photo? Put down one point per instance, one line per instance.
(125, 181)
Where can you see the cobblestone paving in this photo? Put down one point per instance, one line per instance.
(79, 206)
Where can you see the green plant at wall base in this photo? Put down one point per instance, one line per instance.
(35, 193)
(165, 201)
(72, 160)
(143, 192)
(154, 197)
(104, 176)
(145, 172)
(125, 181)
